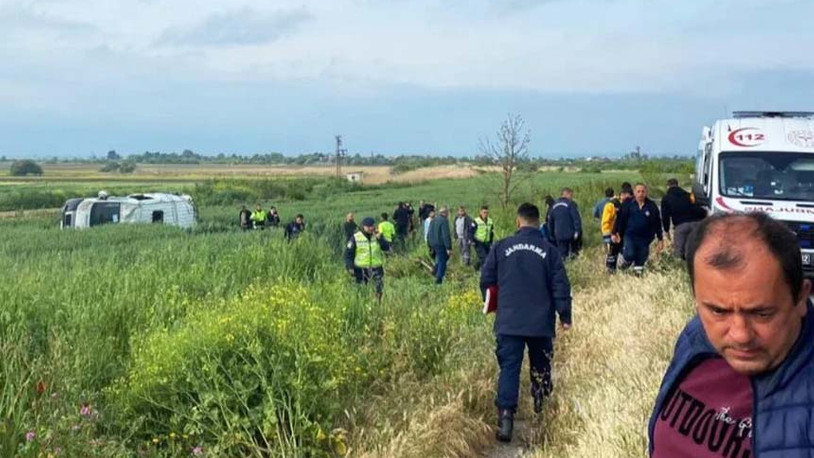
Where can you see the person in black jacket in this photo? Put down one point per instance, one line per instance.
(401, 218)
(565, 224)
(349, 227)
(295, 228)
(677, 206)
(424, 209)
(532, 288)
(245, 218)
(638, 223)
(273, 218)
(440, 241)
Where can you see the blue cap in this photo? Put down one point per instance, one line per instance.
(368, 222)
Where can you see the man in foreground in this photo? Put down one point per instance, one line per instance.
(741, 382)
(532, 287)
(364, 256)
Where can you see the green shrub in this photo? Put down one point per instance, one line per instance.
(25, 167)
(110, 167)
(127, 167)
(265, 368)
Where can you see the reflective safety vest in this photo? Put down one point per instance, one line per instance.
(258, 216)
(483, 233)
(388, 230)
(368, 251)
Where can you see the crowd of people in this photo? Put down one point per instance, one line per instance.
(260, 219)
(746, 353)
(629, 223)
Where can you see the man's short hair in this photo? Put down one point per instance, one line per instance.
(529, 213)
(626, 189)
(777, 237)
(299, 215)
(484, 207)
(566, 190)
(672, 182)
(384, 216)
(640, 184)
(609, 192)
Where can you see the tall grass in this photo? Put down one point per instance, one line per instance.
(145, 340)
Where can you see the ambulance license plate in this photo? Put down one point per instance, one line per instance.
(806, 259)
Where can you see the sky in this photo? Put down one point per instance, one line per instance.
(590, 77)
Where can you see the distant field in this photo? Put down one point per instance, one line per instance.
(196, 172)
(219, 184)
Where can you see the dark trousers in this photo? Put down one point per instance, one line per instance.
(510, 359)
(613, 251)
(441, 259)
(482, 250)
(576, 246)
(635, 251)
(401, 238)
(680, 235)
(565, 247)
(373, 274)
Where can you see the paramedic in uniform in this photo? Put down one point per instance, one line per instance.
(532, 288)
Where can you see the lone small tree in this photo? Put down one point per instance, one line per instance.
(508, 151)
(24, 167)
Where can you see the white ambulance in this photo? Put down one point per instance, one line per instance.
(761, 161)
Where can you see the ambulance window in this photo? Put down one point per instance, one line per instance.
(68, 220)
(768, 175)
(104, 213)
(707, 164)
(158, 216)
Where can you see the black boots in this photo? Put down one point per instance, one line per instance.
(538, 404)
(505, 423)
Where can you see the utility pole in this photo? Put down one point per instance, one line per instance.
(340, 152)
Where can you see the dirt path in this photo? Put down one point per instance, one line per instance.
(518, 447)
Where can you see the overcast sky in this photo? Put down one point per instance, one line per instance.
(393, 76)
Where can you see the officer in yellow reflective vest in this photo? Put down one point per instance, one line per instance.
(483, 233)
(364, 255)
(259, 218)
(387, 229)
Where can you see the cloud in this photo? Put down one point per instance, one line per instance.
(24, 18)
(241, 27)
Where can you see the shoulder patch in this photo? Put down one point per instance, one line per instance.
(350, 244)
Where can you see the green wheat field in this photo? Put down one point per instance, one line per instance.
(142, 340)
